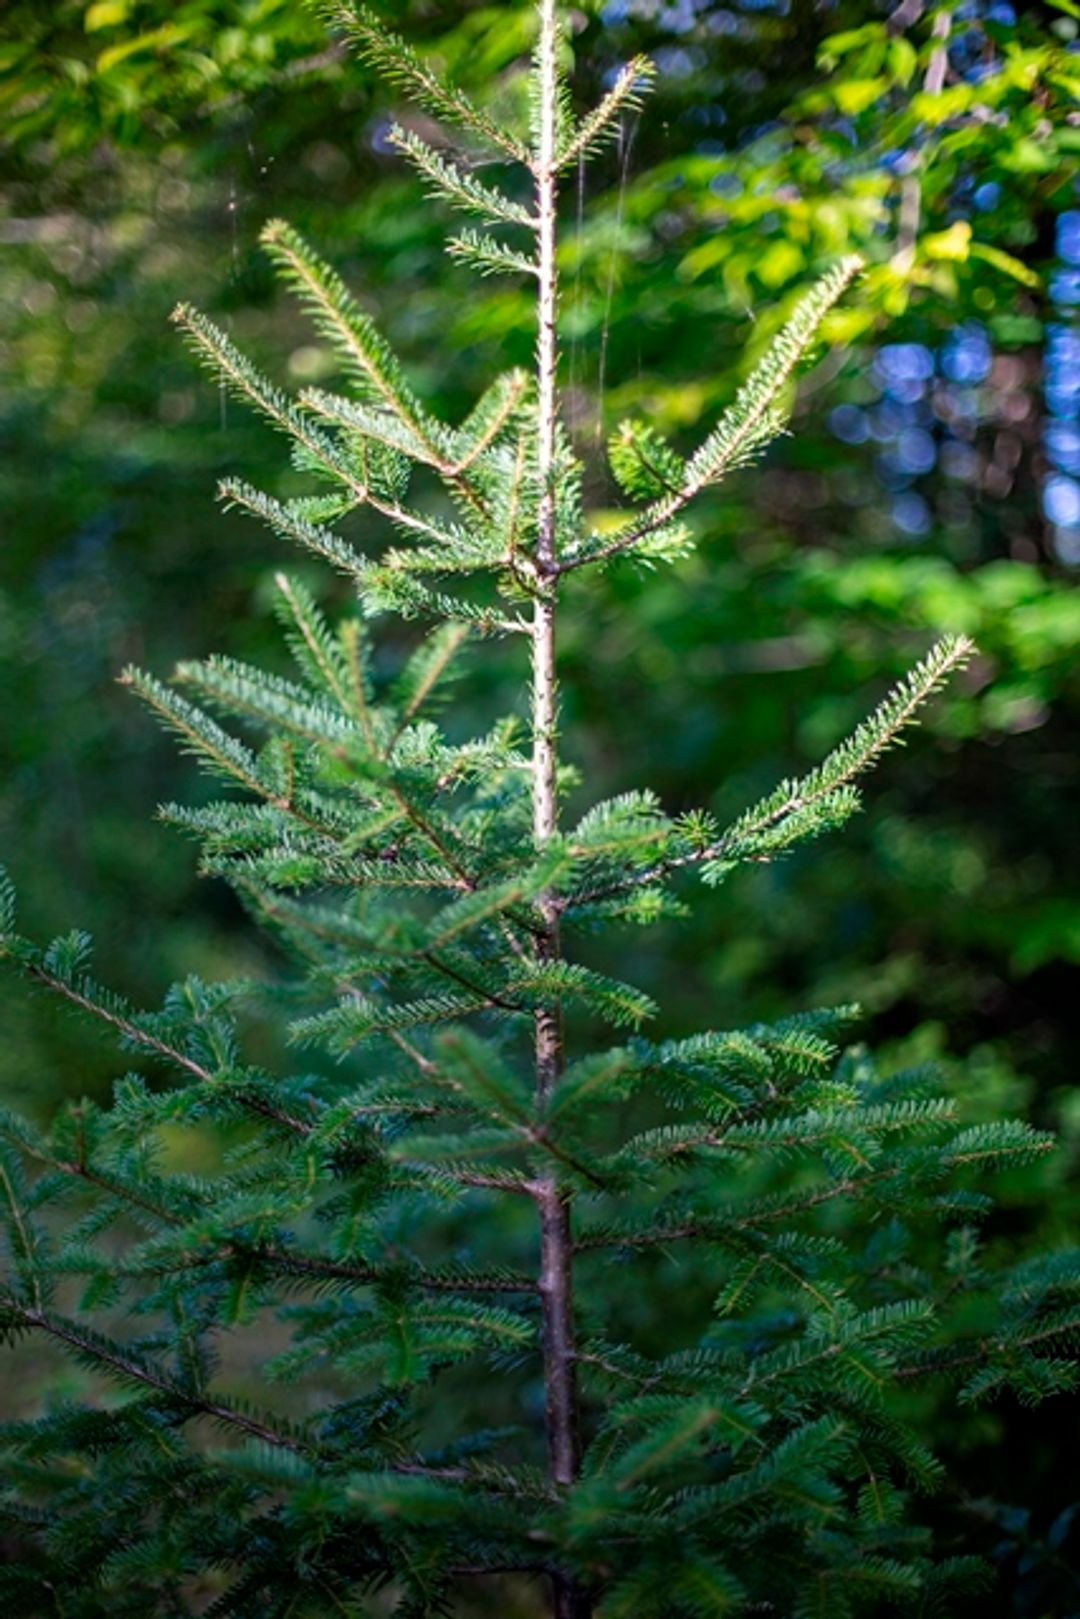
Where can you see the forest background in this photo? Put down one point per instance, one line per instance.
(932, 484)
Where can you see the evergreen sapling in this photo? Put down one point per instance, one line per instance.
(437, 1235)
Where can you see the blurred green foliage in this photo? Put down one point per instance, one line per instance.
(924, 490)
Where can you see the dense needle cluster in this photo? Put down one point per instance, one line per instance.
(447, 1250)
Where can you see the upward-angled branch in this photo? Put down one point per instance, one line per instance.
(459, 185)
(397, 62)
(855, 755)
(602, 124)
(406, 426)
(866, 744)
(339, 317)
(238, 374)
(491, 416)
(754, 418)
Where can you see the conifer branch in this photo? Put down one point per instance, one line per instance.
(407, 426)
(872, 738)
(748, 837)
(627, 94)
(129, 1195)
(314, 537)
(424, 672)
(344, 680)
(373, 423)
(110, 1013)
(243, 690)
(423, 823)
(746, 427)
(399, 64)
(108, 1009)
(985, 1350)
(458, 185)
(316, 1267)
(491, 417)
(24, 1239)
(225, 361)
(490, 256)
(718, 1227)
(244, 380)
(86, 996)
(225, 756)
(130, 1368)
(339, 317)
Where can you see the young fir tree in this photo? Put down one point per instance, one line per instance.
(429, 1249)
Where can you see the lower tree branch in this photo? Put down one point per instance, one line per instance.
(112, 1360)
